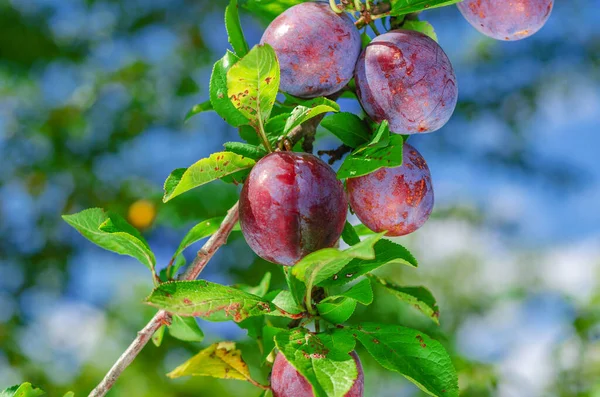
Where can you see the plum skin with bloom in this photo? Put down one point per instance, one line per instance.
(292, 204)
(317, 49)
(286, 381)
(405, 77)
(507, 20)
(397, 200)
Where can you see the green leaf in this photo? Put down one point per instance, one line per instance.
(158, 336)
(111, 232)
(69, 394)
(23, 390)
(285, 301)
(269, 333)
(331, 374)
(349, 234)
(386, 252)
(201, 107)
(219, 360)
(336, 309)
(201, 230)
(380, 139)
(235, 33)
(186, 329)
(253, 82)
(216, 166)
(245, 149)
(301, 114)
(324, 264)
(402, 7)
(261, 289)
(419, 358)
(208, 300)
(348, 128)
(339, 342)
(219, 97)
(292, 102)
(365, 40)
(360, 292)
(418, 297)
(421, 26)
(372, 159)
(296, 287)
(268, 10)
(248, 134)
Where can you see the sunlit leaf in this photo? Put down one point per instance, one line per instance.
(216, 166)
(210, 301)
(253, 82)
(235, 33)
(111, 232)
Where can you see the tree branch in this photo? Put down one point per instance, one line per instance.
(193, 271)
(335, 154)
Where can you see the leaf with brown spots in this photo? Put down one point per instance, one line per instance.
(422, 360)
(216, 166)
(219, 360)
(213, 302)
(253, 83)
(328, 367)
(419, 297)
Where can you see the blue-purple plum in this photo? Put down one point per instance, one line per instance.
(286, 381)
(291, 205)
(397, 200)
(405, 77)
(507, 20)
(317, 49)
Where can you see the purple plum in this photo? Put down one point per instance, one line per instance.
(317, 49)
(397, 200)
(405, 77)
(291, 205)
(286, 381)
(507, 20)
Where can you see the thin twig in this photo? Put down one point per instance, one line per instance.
(380, 10)
(335, 154)
(204, 255)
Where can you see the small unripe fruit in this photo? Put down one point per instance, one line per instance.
(397, 200)
(405, 77)
(292, 204)
(286, 381)
(317, 49)
(507, 20)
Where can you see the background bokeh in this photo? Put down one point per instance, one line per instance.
(92, 99)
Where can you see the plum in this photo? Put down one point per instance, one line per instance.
(507, 20)
(291, 205)
(397, 200)
(405, 77)
(317, 49)
(286, 381)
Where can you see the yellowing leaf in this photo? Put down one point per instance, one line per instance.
(219, 360)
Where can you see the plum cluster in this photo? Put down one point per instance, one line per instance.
(292, 204)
